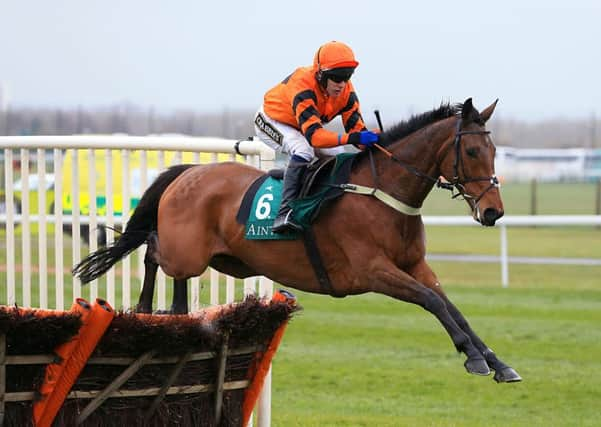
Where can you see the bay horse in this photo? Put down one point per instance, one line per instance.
(188, 218)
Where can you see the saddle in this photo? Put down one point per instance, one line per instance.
(321, 184)
(316, 174)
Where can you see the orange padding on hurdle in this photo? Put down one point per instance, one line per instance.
(59, 378)
(263, 363)
(54, 370)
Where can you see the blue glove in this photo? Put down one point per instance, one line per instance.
(368, 138)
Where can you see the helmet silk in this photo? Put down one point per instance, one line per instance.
(334, 55)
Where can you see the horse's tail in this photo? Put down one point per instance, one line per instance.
(142, 222)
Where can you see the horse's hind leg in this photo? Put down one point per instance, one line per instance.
(150, 274)
(180, 296)
(503, 372)
(180, 290)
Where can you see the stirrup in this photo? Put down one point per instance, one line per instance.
(285, 223)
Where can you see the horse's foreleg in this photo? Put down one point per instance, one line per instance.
(397, 284)
(503, 373)
(180, 296)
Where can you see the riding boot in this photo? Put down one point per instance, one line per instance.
(292, 183)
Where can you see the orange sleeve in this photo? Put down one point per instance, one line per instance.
(304, 106)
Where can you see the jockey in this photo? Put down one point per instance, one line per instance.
(293, 113)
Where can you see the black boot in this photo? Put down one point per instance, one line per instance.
(292, 184)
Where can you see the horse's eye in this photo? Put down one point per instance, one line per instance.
(472, 152)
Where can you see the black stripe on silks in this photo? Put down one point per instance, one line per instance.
(351, 101)
(311, 130)
(307, 114)
(352, 121)
(303, 96)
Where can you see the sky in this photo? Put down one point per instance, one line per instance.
(542, 59)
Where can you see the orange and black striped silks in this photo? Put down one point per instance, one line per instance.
(299, 101)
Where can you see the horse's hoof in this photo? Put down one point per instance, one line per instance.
(477, 366)
(507, 375)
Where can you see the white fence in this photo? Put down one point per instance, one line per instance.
(516, 221)
(97, 178)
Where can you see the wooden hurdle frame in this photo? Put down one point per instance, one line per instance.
(132, 366)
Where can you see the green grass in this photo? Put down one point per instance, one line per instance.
(574, 242)
(373, 361)
(551, 199)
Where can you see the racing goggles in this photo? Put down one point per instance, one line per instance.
(339, 75)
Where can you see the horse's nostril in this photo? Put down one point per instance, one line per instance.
(491, 215)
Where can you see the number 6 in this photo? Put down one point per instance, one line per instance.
(263, 206)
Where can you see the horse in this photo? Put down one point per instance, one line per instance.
(188, 218)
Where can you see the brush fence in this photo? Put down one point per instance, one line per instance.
(146, 370)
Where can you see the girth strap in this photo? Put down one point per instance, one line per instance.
(315, 258)
(385, 198)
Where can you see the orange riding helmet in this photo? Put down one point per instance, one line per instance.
(334, 60)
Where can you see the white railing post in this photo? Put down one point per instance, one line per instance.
(10, 227)
(58, 231)
(110, 223)
(25, 229)
(214, 286)
(125, 193)
(264, 403)
(144, 184)
(75, 217)
(230, 289)
(93, 215)
(504, 257)
(42, 241)
(161, 279)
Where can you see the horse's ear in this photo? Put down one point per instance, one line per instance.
(468, 113)
(485, 115)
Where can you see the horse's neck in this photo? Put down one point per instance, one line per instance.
(421, 150)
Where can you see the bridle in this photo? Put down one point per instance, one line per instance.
(458, 165)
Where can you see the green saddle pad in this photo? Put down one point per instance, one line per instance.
(267, 199)
(263, 211)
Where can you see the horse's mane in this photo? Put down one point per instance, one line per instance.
(419, 121)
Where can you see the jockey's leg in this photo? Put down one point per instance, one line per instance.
(293, 178)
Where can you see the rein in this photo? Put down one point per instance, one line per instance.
(455, 183)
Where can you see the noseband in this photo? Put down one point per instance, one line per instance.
(456, 182)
